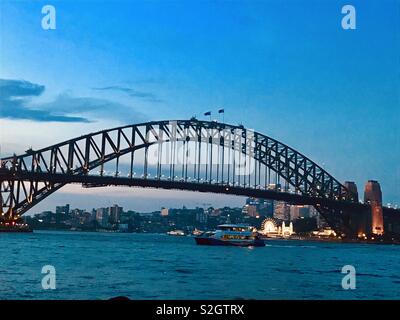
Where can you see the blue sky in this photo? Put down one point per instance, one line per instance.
(284, 68)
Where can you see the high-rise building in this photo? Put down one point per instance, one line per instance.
(61, 213)
(266, 208)
(250, 210)
(201, 216)
(115, 213)
(297, 212)
(282, 211)
(102, 216)
(258, 207)
(62, 209)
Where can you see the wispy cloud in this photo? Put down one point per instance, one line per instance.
(94, 108)
(15, 103)
(148, 96)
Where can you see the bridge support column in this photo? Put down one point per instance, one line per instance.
(376, 219)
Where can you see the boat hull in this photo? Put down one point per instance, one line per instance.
(209, 241)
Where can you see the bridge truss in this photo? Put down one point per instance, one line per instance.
(183, 154)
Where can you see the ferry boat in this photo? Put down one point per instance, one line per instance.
(231, 235)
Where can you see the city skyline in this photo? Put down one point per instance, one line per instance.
(307, 87)
(255, 212)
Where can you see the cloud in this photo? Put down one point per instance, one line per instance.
(148, 96)
(15, 97)
(94, 108)
(19, 88)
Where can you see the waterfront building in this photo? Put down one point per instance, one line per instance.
(250, 210)
(324, 233)
(123, 227)
(286, 231)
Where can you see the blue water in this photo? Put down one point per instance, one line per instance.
(150, 266)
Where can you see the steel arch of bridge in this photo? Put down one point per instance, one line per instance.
(261, 161)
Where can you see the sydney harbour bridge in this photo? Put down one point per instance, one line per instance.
(203, 156)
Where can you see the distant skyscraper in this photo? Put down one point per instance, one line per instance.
(201, 216)
(266, 208)
(297, 212)
(102, 216)
(250, 210)
(62, 209)
(115, 213)
(258, 207)
(61, 213)
(282, 210)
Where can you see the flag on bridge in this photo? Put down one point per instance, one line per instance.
(208, 113)
(221, 111)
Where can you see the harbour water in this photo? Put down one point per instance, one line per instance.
(153, 266)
